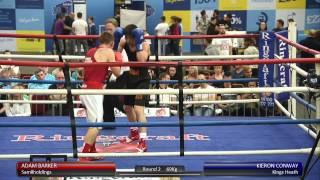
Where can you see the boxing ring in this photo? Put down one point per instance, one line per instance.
(182, 140)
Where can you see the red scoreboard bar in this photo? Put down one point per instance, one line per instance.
(54, 169)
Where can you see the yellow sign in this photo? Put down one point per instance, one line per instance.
(184, 15)
(233, 5)
(30, 44)
(289, 4)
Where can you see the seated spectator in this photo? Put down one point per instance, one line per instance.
(58, 109)
(204, 110)
(217, 75)
(6, 74)
(41, 74)
(237, 73)
(15, 69)
(192, 75)
(230, 108)
(249, 109)
(279, 26)
(17, 109)
(164, 97)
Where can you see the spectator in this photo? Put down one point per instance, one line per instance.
(172, 71)
(213, 22)
(164, 97)
(6, 74)
(41, 74)
(312, 42)
(17, 109)
(92, 30)
(58, 30)
(202, 23)
(263, 27)
(237, 73)
(224, 45)
(192, 75)
(210, 48)
(173, 46)
(80, 28)
(279, 26)
(227, 18)
(229, 108)
(15, 69)
(69, 43)
(249, 108)
(250, 47)
(204, 110)
(58, 109)
(218, 74)
(161, 30)
(180, 27)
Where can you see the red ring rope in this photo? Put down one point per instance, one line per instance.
(50, 36)
(157, 64)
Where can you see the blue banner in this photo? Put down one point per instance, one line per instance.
(30, 19)
(176, 4)
(8, 19)
(7, 4)
(266, 71)
(29, 4)
(283, 70)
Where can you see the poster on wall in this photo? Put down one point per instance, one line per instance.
(81, 8)
(261, 5)
(8, 19)
(298, 15)
(133, 17)
(255, 17)
(29, 4)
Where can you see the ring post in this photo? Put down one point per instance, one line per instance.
(318, 98)
(156, 53)
(67, 84)
(292, 35)
(181, 114)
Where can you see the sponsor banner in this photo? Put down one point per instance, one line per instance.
(7, 19)
(30, 44)
(283, 71)
(150, 112)
(254, 17)
(297, 14)
(261, 4)
(30, 19)
(29, 4)
(266, 71)
(133, 17)
(176, 4)
(184, 15)
(312, 19)
(226, 5)
(313, 4)
(8, 43)
(291, 4)
(7, 4)
(239, 19)
(204, 4)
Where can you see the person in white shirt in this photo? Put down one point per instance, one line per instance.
(15, 69)
(224, 45)
(161, 30)
(17, 109)
(164, 97)
(206, 109)
(80, 28)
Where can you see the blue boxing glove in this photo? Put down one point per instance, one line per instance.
(118, 34)
(138, 35)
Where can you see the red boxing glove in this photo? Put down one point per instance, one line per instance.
(118, 56)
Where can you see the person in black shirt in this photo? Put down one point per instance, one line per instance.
(69, 43)
(312, 42)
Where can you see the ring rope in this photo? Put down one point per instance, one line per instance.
(289, 115)
(165, 154)
(159, 91)
(158, 64)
